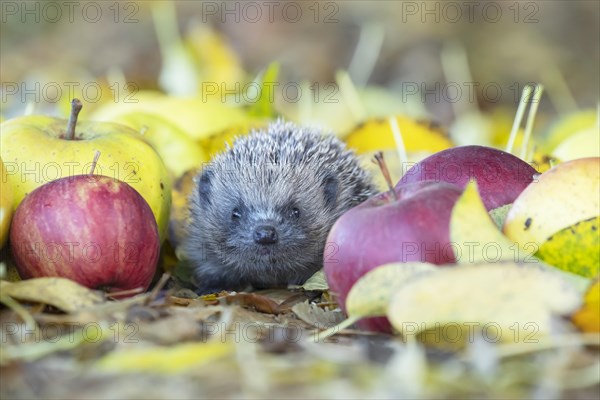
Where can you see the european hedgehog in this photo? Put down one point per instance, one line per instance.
(260, 212)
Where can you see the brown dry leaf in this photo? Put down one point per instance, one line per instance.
(256, 301)
(61, 293)
(270, 301)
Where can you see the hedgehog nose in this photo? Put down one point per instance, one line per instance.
(265, 234)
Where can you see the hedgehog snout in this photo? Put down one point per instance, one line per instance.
(265, 235)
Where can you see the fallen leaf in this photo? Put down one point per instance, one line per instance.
(575, 249)
(587, 318)
(256, 301)
(70, 339)
(61, 293)
(316, 316)
(498, 215)
(316, 282)
(165, 360)
(371, 294)
(475, 236)
(505, 302)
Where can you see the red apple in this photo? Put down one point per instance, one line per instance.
(93, 229)
(381, 230)
(500, 176)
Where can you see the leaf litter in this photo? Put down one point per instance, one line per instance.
(265, 344)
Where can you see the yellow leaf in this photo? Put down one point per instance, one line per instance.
(166, 360)
(588, 317)
(376, 134)
(61, 293)
(371, 294)
(475, 236)
(504, 302)
(575, 249)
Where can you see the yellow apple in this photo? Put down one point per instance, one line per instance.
(6, 205)
(198, 117)
(37, 149)
(178, 151)
(585, 143)
(568, 125)
(561, 197)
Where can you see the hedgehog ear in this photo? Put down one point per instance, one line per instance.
(330, 190)
(204, 186)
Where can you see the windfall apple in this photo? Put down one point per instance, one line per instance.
(95, 230)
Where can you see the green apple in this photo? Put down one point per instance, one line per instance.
(37, 149)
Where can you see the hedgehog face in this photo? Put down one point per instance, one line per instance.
(273, 216)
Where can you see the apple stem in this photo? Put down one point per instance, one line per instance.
(378, 158)
(525, 95)
(76, 106)
(535, 102)
(96, 157)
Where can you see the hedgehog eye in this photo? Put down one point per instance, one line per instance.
(295, 212)
(236, 214)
